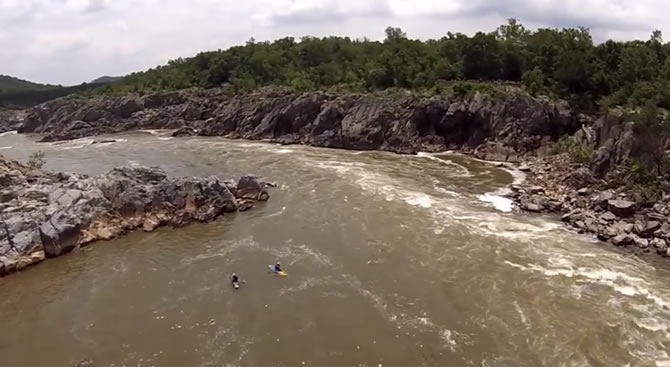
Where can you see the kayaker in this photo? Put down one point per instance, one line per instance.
(278, 268)
(235, 278)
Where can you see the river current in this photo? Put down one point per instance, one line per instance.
(392, 261)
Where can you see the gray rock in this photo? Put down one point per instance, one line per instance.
(608, 217)
(60, 234)
(622, 240)
(621, 208)
(524, 168)
(623, 228)
(604, 197)
(641, 242)
(532, 207)
(584, 191)
(249, 187)
(646, 229)
(658, 243)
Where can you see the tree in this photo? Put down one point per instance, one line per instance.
(534, 81)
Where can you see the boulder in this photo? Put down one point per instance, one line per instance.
(249, 187)
(658, 243)
(647, 228)
(622, 240)
(641, 242)
(584, 191)
(185, 131)
(608, 217)
(604, 197)
(621, 208)
(60, 234)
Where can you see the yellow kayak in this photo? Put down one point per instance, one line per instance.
(280, 273)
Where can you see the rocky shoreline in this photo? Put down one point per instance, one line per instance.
(509, 126)
(554, 185)
(45, 215)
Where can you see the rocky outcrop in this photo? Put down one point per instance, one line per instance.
(501, 127)
(554, 185)
(10, 120)
(45, 215)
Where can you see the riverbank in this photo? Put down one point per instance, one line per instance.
(556, 185)
(45, 215)
(507, 126)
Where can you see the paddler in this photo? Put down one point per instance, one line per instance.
(235, 278)
(278, 268)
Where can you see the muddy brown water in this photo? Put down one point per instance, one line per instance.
(392, 261)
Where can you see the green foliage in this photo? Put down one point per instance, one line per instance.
(578, 152)
(468, 89)
(37, 160)
(534, 81)
(564, 63)
(644, 184)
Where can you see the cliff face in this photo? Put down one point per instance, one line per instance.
(398, 123)
(48, 215)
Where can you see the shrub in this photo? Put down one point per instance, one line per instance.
(36, 160)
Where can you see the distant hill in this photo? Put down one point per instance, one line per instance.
(106, 79)
(10, 84)
(17, 93)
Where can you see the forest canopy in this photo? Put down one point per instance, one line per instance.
(562, 63)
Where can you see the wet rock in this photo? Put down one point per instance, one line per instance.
(524, 168)
(646, 229)
(185, 131)
(245, 205)
(104, 141)
(658, 243)
(622, 240)
(531, 207)
(621, 208)
(641, 242)
(249, 187)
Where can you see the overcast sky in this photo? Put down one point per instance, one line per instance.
(72, 41)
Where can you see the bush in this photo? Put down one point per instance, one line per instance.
(534, 81)
(36, 160)
(578, 152)
(645, 185)
(469, 89)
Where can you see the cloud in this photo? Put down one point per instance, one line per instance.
(71, 41)
(321, 11)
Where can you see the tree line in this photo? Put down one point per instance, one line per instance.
(565, 63)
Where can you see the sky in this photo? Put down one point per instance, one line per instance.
(72, 41)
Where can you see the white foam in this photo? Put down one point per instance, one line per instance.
(5, 148)
(464, 171)
(418, 199)
(152, 131)
(278, 213)
(165, 138)
(13, 132)
(502, 204)
(284, 151)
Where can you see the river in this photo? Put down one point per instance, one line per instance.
(392, 261)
